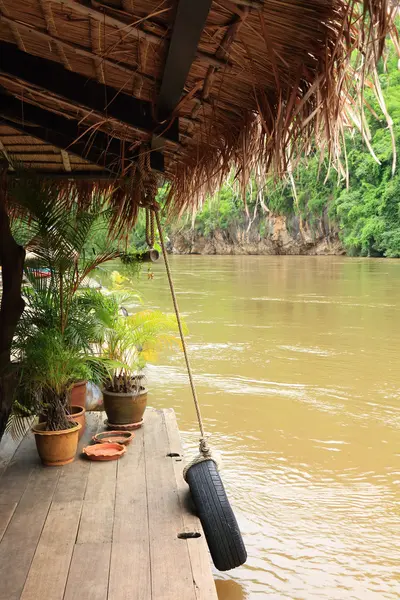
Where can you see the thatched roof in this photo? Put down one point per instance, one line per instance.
(251, 82)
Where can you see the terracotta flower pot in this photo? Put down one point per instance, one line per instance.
(77, 395)
(56, 448)
(78, 414)
(122, 409)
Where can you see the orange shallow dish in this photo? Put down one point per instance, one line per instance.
(118, 437)
(109, 451)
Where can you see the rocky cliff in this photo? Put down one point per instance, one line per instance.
(277, 235)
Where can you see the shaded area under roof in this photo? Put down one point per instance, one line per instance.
(254, 81)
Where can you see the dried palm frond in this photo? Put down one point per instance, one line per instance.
(18, 425)
(121, 198)
(268, 85)
(298, 101)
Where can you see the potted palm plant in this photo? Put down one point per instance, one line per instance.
(131, 341)
(67, 242)
(48, 367)
(79, 331)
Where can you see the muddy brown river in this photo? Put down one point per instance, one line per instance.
(297, 367)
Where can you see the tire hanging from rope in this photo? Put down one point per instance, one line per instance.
(215, 513)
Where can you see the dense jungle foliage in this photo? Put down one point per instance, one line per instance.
(366, 212)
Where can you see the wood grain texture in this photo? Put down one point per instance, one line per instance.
(130, 557)
(197, 547)
(171, 575)
(102, 531)
(97, 518)
(19, 542)
(89, 572)
(6, 513)
(16, 476)
(74, 477)
(8, 447)
(49, 570)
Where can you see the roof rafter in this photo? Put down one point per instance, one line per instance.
(51, 27)
(66, 161)
(105, 100)
(65, 134)
(222, 52)
(95, 40)
(190, 20)
(98, 175)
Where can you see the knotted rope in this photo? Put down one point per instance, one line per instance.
(150, 227)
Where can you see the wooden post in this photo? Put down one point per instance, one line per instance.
(12, 257)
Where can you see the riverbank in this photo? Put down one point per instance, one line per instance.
(278, 235)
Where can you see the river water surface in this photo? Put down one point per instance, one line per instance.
(297, 367)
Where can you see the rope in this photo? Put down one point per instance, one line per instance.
(205, 452)
(150, 227)
(181, 334)
(148, 184)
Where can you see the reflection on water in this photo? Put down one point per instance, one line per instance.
(296, 360)
(229, 588)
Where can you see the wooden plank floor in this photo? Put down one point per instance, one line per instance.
(101, 531)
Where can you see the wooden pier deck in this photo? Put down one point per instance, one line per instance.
(101, 530)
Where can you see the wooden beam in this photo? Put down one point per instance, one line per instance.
(190, 20)
(99, 175)
(51, 27)
(65, 134)
(52, 77)
(66, 161)
(95, 40)
(254, 4)
(222, 53)
(17, 37)
(126, 27)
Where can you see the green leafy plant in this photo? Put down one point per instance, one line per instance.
(48, 367)
(59, 326)
(64, 245)
(20, 420)
(132, 341)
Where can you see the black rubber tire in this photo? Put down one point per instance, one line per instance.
(216, 515)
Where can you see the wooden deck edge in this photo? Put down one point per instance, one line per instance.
(198, 551)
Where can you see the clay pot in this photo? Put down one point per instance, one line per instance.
(123, 409)
(77, 395)
(78, 414)
(119, 437)
(56, 448)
